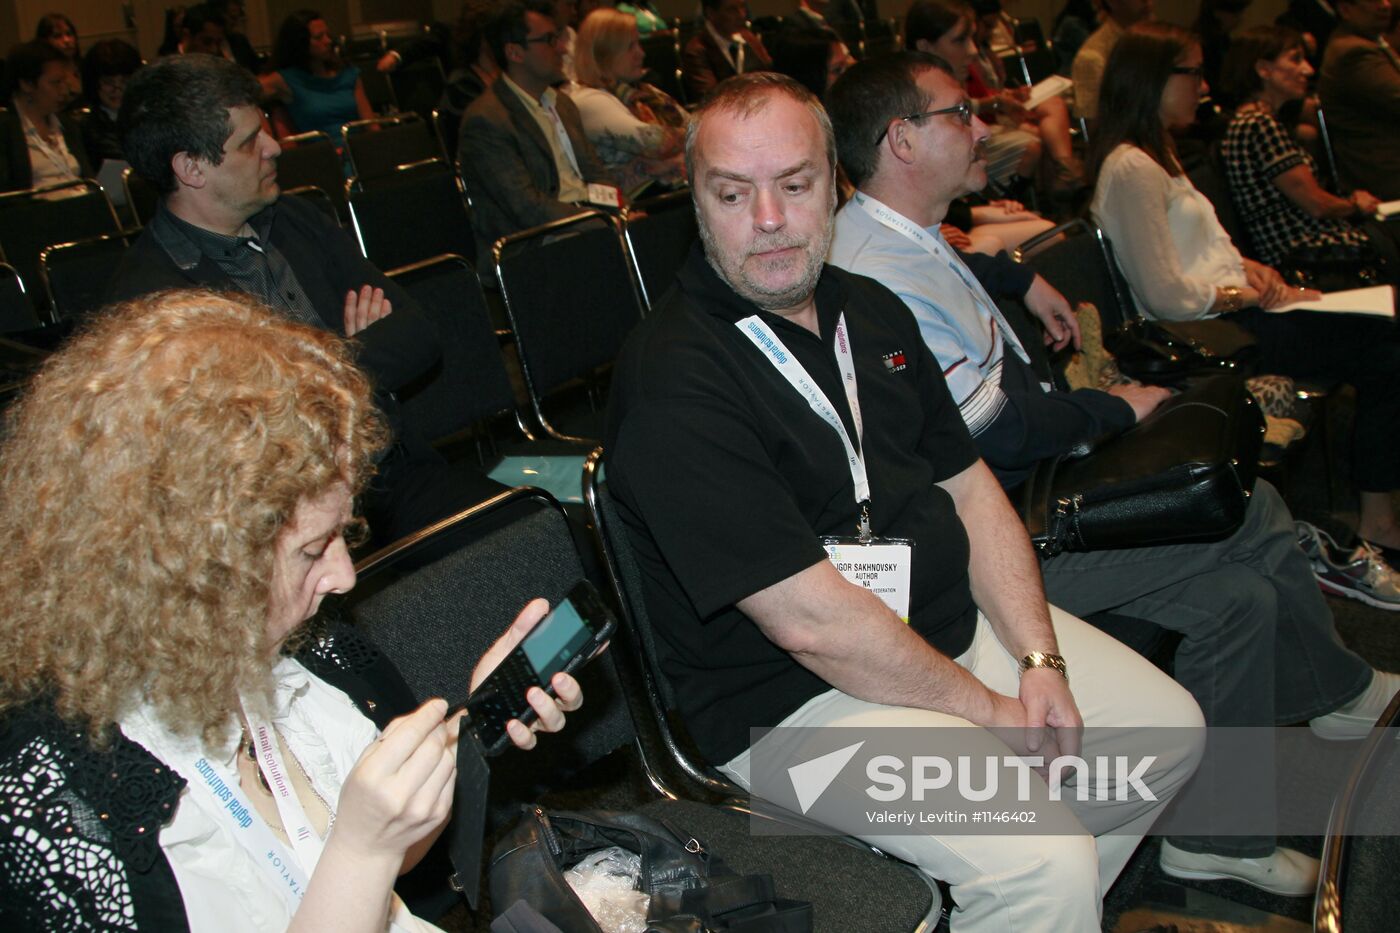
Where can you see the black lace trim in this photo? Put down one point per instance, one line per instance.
(342, 647)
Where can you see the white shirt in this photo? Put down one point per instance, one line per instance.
(572, 188)
(222, 886)
(51, 164)
(1165, 234)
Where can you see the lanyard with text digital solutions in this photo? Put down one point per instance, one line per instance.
(931, 245)
(796, 374)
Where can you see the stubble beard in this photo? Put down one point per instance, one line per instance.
(732, 269)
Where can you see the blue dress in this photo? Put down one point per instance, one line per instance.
(322, 103)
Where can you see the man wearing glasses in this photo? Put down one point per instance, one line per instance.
(525, 159)
(770, 401)
(1259, 644)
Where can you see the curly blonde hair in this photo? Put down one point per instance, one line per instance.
(145, 475)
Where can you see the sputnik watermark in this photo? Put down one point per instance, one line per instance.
(905, 780)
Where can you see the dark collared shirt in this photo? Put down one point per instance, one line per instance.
(256, 266)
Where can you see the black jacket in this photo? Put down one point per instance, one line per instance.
(15, 171)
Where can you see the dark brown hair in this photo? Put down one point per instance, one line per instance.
(1130, 100)
(1238, 75)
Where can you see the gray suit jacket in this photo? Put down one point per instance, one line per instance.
(1360, 91)
(509, 169)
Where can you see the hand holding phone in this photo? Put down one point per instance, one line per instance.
(562, 642)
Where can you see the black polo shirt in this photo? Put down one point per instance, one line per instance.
(726, 478)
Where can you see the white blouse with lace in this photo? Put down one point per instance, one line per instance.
(221, 884)
(1169, 243)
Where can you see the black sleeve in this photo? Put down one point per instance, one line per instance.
(1034, 424)
(959, 215)
(395, 349)
(999, 274)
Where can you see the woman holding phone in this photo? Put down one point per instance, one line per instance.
(177, 486)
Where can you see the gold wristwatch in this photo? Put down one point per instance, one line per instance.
(1042, 659)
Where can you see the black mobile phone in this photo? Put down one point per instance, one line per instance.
(565, 640)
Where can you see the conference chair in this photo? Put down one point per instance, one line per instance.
(659, 241)
(76, 275)
(31, 220)
(571, 294)
(376, 147)
(413, 213)
(311, 159)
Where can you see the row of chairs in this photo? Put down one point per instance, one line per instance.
(565, 328)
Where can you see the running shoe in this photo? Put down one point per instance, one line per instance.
(1363, 574)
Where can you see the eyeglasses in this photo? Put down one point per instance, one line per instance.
(1198, 72)
(549, 38)
(963, 109)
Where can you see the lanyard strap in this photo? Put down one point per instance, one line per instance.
(931, 245)
(222, 793)
(295, 820)
(777, 353)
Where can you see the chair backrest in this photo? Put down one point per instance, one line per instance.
(660, 729)
(379, 90)
(76, 275)
(447, 125)
(662, 52)
(1078, 260)
(317, 197)
(435, 601)
(415, 213)
(377, 147)
(1329, 156)
(1362, 844)
(141, 196)
(1209, 178)
(418, 87)
(311, 159)
(660, 240)
(470, 384)
(16, 310)
(31, 220)
(571, 294)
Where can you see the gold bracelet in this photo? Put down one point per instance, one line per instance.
(1045, 659)
(1231, 298)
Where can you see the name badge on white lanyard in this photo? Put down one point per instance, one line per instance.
(907, 228)
(882, 565)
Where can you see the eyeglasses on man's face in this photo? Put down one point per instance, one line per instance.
(549, 38)
(963, 109)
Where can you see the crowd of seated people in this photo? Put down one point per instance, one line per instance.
(821, 197)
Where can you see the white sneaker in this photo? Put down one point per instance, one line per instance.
(1286, 872)
(1358, 718)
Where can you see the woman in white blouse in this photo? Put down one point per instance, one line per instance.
(39, 145)
(1181, 264)
(637, 129)
(177, 492)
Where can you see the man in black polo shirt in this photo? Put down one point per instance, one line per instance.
(772, 400)
(192, 128)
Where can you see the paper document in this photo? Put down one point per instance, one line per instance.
(1387, 210)
(1042, 91)
(1378, 300)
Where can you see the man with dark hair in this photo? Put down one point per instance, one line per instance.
(192, 128)
(1092, 57)
(722, 49)
(1359, 86)
(736, 409)
(1260, 646)
(202, 31)
(524, 155)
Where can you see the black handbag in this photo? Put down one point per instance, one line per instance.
(1172, 351)
(691, 889)
(1184, 473)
